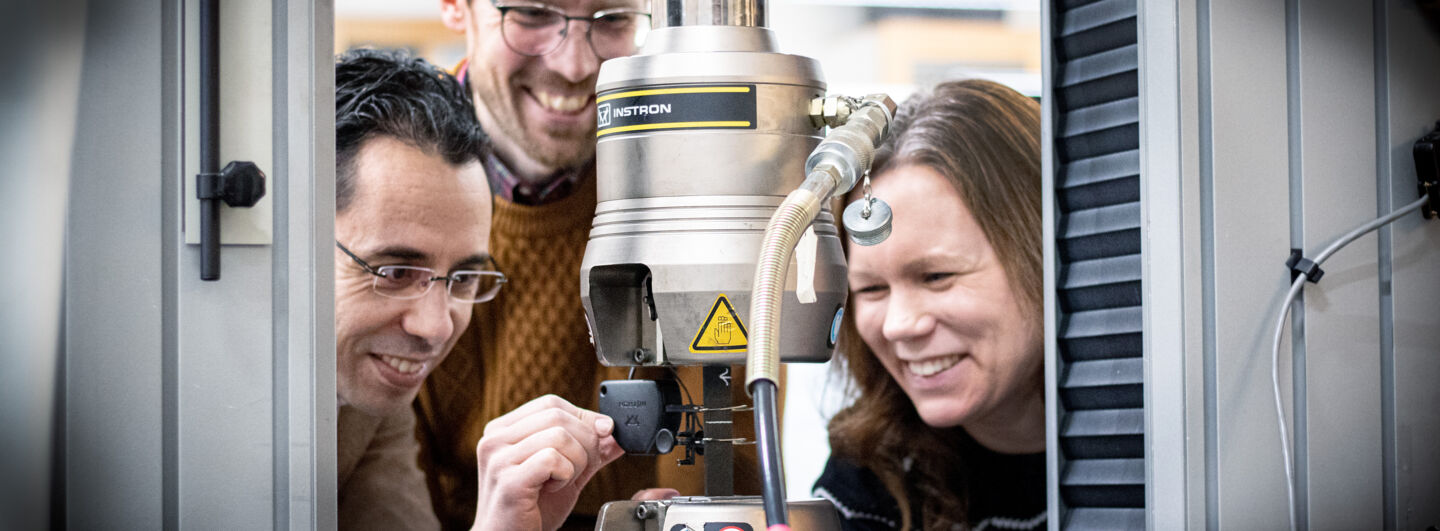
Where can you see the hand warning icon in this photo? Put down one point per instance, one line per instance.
(723, 330)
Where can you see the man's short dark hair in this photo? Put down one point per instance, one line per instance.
(389, 93)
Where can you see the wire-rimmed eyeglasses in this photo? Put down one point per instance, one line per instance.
(412, 282)
(534, 29)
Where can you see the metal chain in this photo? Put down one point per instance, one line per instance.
(869, 197)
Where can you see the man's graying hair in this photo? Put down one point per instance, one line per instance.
(389, 93)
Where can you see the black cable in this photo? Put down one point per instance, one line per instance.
(1295, 287)
(676, 373)
(767, 437)
(691, 418)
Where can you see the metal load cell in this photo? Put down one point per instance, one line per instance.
(700, 138)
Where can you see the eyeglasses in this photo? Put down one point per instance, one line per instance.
(410, 282)
(535, 29)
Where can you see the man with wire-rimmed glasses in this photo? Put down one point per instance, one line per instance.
(530, 69)
(412, 258)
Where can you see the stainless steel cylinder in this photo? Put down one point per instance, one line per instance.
(675, 13)
(700, 137)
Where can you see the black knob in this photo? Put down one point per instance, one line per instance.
(243, 184)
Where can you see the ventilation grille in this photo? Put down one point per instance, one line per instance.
(1097, 178)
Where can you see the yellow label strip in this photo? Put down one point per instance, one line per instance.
(685, 90)
(671, 125)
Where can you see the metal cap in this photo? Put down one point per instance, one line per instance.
(867, 231)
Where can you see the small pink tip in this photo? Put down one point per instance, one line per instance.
(778, 527)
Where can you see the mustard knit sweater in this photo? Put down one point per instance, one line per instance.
(530, 341)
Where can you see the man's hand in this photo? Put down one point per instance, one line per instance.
(534, 460)
(655, 494)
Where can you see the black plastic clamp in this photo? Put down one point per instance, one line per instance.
(1299, 265)
(1427, 171)
(241, 184)
(209, 186)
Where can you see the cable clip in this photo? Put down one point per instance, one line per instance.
(1299, 265)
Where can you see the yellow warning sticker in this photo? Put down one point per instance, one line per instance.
(722, 330)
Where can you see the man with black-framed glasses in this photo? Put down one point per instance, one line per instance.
(412, 258)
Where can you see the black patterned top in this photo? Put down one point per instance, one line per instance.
(1006, 492)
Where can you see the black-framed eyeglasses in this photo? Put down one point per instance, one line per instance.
(411, 282)
(534, 29)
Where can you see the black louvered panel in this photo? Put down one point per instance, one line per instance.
(1099, 181)
(1095, 27)
(1100, 129)
(1105, 519)
(1097, 323)
(1102, 296)
(1100, 117)
(1095, 96)
(1102, 232)
(1105, 76)
(1103, 384)
(1104, 433)
(1104, 346)
(1099, 142)
(1104, 482)
(1097, 169)
(1109, 192)
(1100, 245)
(1062, 5)
(1100, 220)
(1099, 284)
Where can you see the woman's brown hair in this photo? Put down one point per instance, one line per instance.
(984, 138)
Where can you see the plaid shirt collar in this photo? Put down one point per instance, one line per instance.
(505, 185)
(508, 186)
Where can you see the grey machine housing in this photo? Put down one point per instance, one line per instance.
(682, 210)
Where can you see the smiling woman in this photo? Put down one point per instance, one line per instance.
(944, 338)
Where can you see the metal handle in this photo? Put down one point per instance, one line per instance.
(241, 184)
(209, 138)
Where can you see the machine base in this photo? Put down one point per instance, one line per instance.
(700, 513)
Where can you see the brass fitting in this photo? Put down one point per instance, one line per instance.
(833, 111)
(837, 110)
(817, 112)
